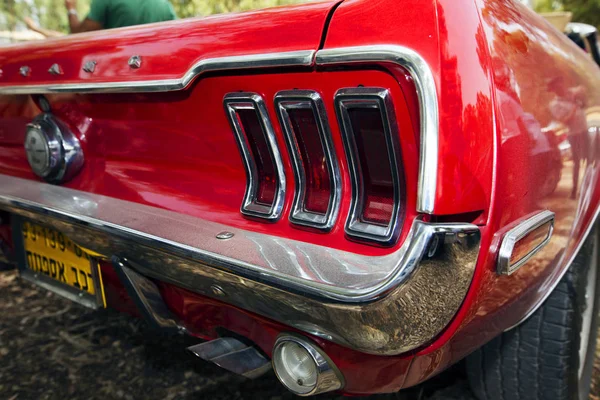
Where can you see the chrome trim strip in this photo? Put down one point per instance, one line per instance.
(521, 230)
(234, 102)
(303, 99)
(375, 304)
(428, 104)
(338, 275)
(370, 98)
(303, 58)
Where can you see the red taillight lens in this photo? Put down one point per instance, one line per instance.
(308, 137)
(259, 149)
(314, 164)
(265, 189)
(378, 185)
(368, 124)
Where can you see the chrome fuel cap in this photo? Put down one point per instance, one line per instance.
(53, 151)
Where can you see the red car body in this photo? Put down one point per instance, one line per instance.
(493, 64)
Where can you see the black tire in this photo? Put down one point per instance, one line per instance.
(539, 359)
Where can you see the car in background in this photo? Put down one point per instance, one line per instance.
(586, 37)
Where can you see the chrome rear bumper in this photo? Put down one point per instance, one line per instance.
(379, 305)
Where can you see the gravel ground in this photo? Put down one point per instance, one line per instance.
(51, 348)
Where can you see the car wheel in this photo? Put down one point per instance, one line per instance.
(550, 355)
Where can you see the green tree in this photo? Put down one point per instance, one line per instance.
(51, 14)
(192, 8)
(547, 5)
(587, 11)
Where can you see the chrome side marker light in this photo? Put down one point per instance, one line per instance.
(523, 241)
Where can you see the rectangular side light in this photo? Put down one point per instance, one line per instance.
(308, 137)
(524, 240)
(265, 184)
(368, 124)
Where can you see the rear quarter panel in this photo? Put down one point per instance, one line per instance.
(450, 39)
(545, 92)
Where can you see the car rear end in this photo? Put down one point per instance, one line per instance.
(307, 187)
(231, 179)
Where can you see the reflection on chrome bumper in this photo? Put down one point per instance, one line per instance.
(5, 256)
(379, 305)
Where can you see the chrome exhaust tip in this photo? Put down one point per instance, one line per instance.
(234, 356)
(303, 368)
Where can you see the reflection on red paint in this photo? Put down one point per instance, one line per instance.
(378, 202)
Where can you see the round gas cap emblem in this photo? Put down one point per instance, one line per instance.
(53, 151)
(38, 153)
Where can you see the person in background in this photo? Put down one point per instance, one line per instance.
(108, 14)
(46, 32)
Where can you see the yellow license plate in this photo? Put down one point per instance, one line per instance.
(50, 253)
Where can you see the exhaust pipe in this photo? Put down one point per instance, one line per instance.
(299, 364)
(234, 356)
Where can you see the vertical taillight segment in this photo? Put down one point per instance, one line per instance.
(265, 188)
(368, 124)
(308, 137)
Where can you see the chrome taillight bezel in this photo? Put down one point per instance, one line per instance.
(308, 99)
(369, 98)
(233, 102)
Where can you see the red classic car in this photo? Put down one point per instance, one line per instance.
(358, 194)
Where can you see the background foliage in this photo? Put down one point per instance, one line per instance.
(587, 11)
(51, 14)
(191, 8)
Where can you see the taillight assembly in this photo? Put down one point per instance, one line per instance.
(369, 132)
(265, 188)
(308, 137)
(368, 124)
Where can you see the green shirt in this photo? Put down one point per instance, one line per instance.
(118, 13)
